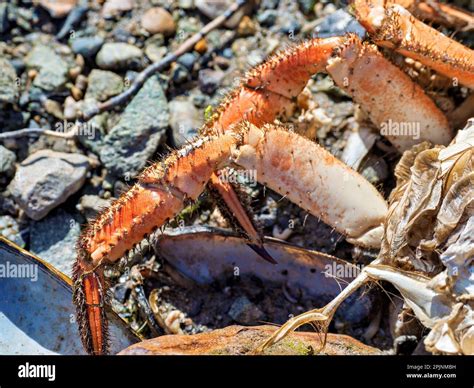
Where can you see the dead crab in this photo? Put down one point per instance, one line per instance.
(240, 135)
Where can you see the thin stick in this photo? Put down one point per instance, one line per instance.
(165, 62)
(37, 131)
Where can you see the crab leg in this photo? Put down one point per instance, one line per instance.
(161, 192)
(394, 27)
(315, 180)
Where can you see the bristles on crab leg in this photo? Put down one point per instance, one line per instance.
(161, 193)
(394, 27)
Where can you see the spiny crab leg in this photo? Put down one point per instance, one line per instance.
(160, 194)
(315, 180)
(392, 26)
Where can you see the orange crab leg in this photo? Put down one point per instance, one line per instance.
(392, 26)
(161, 192)
(445, 14)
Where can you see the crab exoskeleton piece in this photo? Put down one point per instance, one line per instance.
(240, 135)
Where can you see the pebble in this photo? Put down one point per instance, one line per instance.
(209, 80)
(185, 121)
(91, 205)
(134, 139)
(201, 46)
(54, 239)
(7, 162)
(243, 311)
(187, 60)
(58, 8)
(267, 18)
(113, 8)
(338, 23)
(10, 229)
(118, 56)
(9, 91)
(158, 20)
(53, 69)
(54, 108)
(215, 8)
(87, 46)
(179, 74)
(4, 22)
(70, 108)
(103, 84)
(246, 27)
(46, 179)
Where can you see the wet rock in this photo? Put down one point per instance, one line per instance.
(338, 23)
(8, 84)
(58, 8)
(91, 205)
(268, 17)
(158, 20)
(53, 69)
(116, 7)
(87, 46)
(46, 179)
(239, 340)
(54, 239)
(7, 162)
(118, 56)
(245, 312)
(209, 80)
(10, 229)
(103, 84)
(185, 121)
(136, 136)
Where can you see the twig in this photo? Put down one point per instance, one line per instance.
(165, 62)
(37, 131)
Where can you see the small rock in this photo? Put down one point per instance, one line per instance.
(187, 60)
(290, 27)
(53, 108)
(209, 80)
(53, 70)
(46, 179)
(91, 205)
(8, 83)
(118, 56)
(158, 20)
(10, 229)
(243, 311)
(7, 162)
(54, 239)
(267, 18)
(186, 4)
(87, 46)
(116, 7)
(185, 121)
(201, 46)
(130, 143)
(215, 8)
(337, 24)
(246, 27)
(103, 84)
(155, 53)
(70, 108)
(179, 74)
(375, 169)
(4, 23)
(58, 8)
(306, 6)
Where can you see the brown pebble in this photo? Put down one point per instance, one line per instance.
(157, 20)
(201, 46)
(76, 93)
